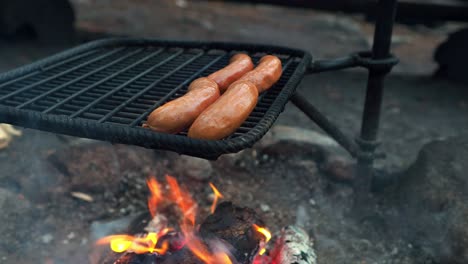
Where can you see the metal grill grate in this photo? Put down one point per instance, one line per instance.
(115, 84)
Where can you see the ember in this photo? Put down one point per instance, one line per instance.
(157, 242)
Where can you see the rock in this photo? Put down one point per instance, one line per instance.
(431, 198)
(90, 168)
(452, 55)
(16, 220)
(100, 229)
(339, 168)
(195, 168)
(40, 181)
(51, 21)
(265, 207)
(47, 238)
(297, 134)
(97, 167)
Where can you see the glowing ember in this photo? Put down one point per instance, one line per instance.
(267, 235)
(184, 202)
(217, 196)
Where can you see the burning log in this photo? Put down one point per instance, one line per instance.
(294, 247)
(230, 228)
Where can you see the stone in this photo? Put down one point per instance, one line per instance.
(47, 238)
(50, 21)
(195, 168)
(16, 221)
(265, 207)
(431, 198)
(98, 167)
(339, 168)
(452, 55)
(297, 134)
(91, 168)
(100, 229)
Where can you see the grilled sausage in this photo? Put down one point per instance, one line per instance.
(267, 72)
(239, 64)
(227, 114)
(201, 82)
(177, 115)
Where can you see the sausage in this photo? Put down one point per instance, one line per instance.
(227, 114)
(239, 65)
(267, 72)
(177, 115)
(201, 82)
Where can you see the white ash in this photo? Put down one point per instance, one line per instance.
(296, 247)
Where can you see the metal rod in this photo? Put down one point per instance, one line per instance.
(105, 66)
(100, 57)
(386, 11)
(50, 67)
(96, 84)
(299, 100)
(333, 65)
(133, 79)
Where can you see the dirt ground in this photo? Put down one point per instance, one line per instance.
(43, 223)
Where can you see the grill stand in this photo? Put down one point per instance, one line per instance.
(379, 62)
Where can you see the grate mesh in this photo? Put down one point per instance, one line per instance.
(119, 85)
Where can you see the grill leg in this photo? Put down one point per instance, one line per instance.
(367, 140)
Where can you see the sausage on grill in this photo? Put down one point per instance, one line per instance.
(267, 72)
(177, 115)
(227, 114)
(239, 65)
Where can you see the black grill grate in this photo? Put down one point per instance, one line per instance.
(106, 89)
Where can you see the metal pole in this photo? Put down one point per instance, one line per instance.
(322, 121)
(386, 11)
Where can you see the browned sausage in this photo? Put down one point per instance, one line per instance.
(238, 66)
(179, 114)
(201, 82)
(227, 114)
(267, 72)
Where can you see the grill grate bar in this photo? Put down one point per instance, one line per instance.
(187, 81)
(42, 69)
(75, 95)
(60, 74)
(124, 85)
(83, 77)
(136, 96)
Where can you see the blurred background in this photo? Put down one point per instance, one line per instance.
(425, 99)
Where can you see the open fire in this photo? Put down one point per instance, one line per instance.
(163, 239)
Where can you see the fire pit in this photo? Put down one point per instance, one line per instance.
(231, 234)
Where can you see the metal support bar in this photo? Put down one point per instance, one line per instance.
(299, 100)
(386, 12)
(333, 65)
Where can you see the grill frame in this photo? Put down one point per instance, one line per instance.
(209, 149)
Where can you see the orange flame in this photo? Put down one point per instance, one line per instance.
(155, 195)
(265, 232)
(200, 251)
(184, 201)
(139, 245)
(217, 194)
